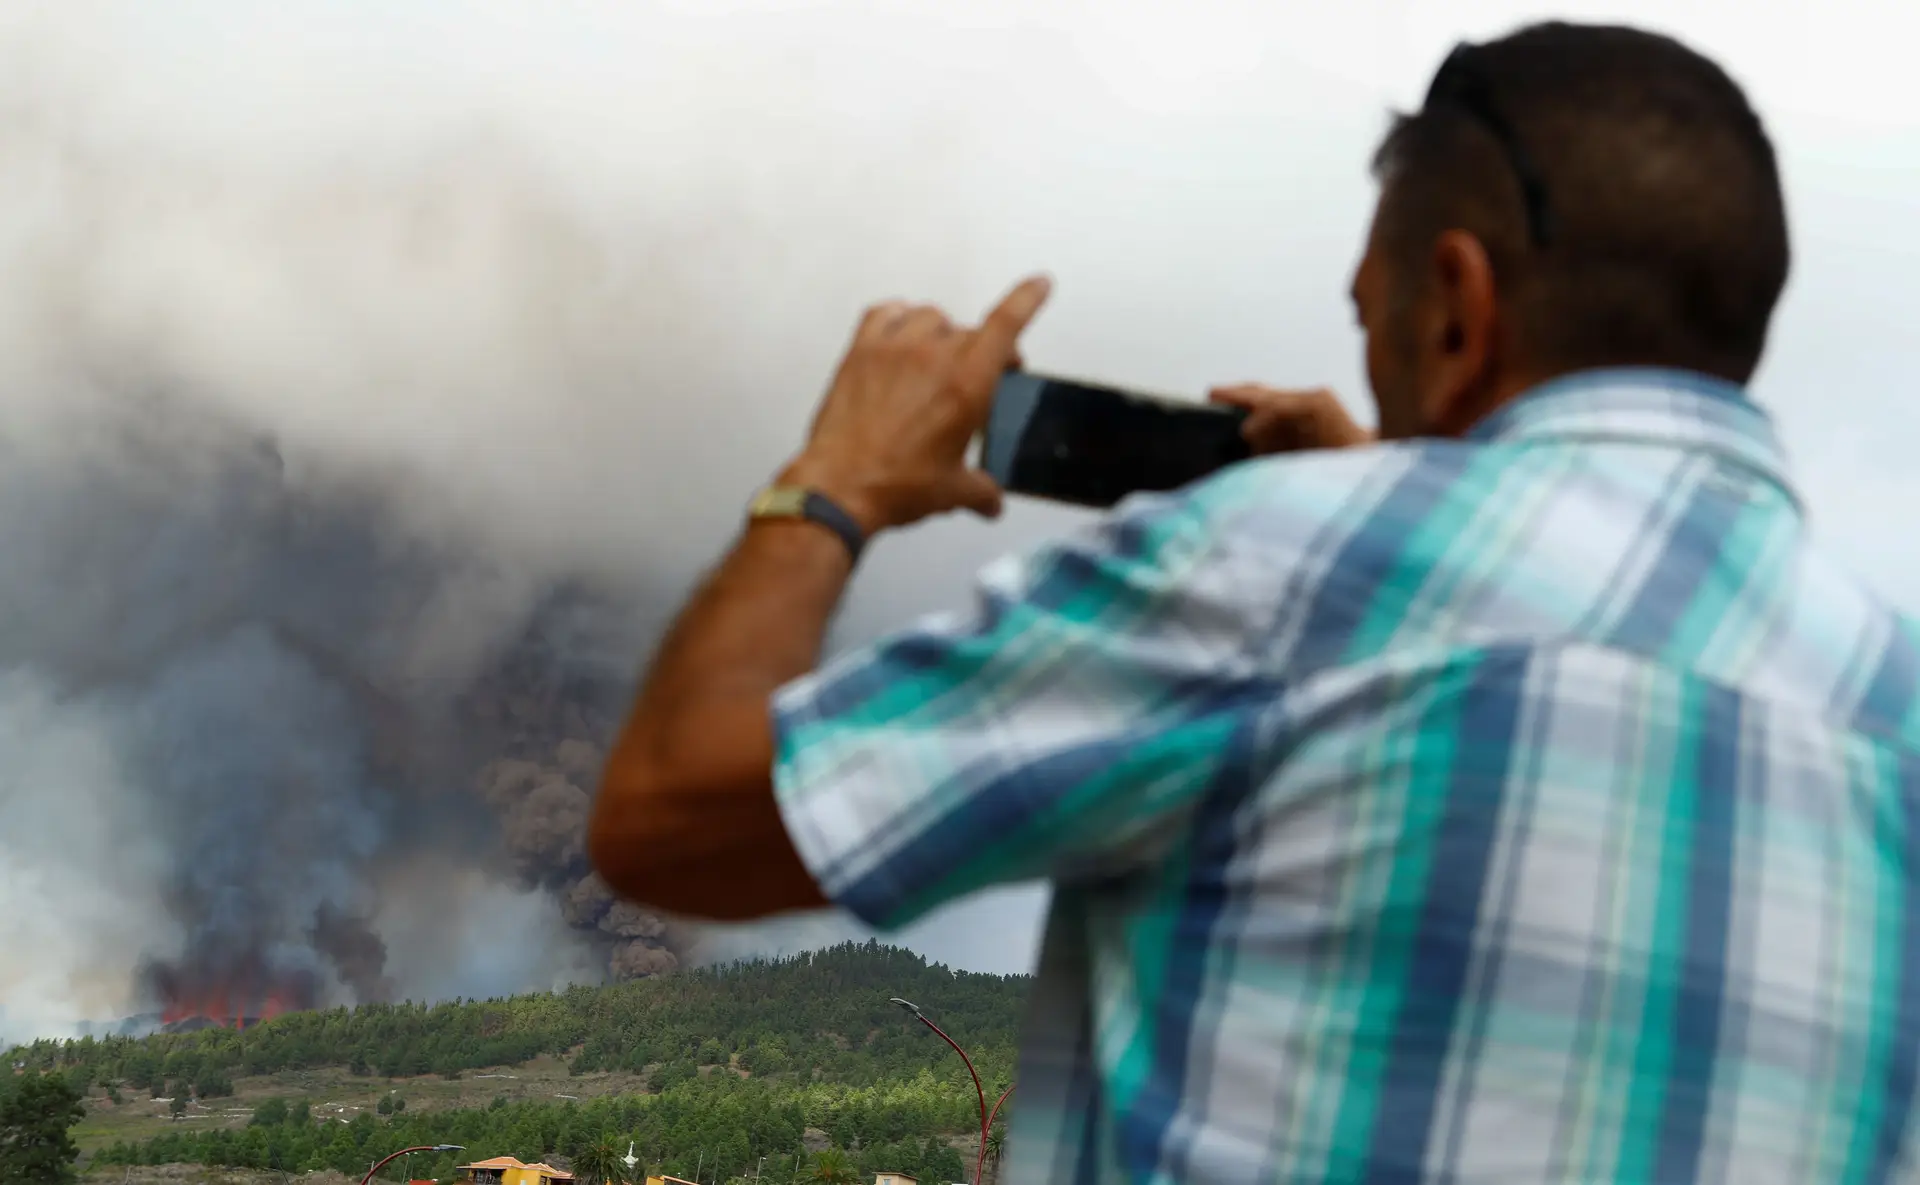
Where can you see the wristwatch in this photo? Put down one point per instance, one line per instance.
(778, 501)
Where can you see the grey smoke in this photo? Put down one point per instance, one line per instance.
(272, 662)
(353, 454)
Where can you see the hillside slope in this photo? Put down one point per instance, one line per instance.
(706, 1071)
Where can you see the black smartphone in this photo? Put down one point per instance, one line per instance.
(1089, 445)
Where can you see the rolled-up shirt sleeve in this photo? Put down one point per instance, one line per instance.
(1060, 729)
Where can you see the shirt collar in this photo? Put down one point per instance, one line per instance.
(1672, 408)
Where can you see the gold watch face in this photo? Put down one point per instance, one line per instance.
(778, 502)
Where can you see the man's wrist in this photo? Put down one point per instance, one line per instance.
(802, 542)
(824, 479)
(798, 504)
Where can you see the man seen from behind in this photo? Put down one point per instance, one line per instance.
(1520, 796)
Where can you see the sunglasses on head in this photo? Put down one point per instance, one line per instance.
(1462, 85)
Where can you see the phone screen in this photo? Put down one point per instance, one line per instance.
(1092, 446)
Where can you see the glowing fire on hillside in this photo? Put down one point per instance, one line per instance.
(238, 1001)
(223, 1011)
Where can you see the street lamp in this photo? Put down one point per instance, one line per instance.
(419, 1148)
(986, 1118)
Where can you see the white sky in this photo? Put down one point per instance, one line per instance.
(587, 265)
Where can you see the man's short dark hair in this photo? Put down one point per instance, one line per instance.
(1622, 185)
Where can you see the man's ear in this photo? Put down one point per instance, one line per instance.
(1462, 348)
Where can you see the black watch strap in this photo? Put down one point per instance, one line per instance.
(802, 503)
(824, 510)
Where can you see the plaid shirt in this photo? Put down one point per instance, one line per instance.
(1535, 807)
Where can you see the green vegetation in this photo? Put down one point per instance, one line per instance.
(37, 1114)
(719, 1124)
(800, 1061)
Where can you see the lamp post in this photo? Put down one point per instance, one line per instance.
(378, 1165)
(986, 1118)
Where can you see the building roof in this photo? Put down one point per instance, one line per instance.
(498, 1162)
(548, 1170)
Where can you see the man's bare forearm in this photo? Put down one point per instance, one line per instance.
(686, 818)
(757, 622)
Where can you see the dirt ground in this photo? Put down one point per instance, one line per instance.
(184, 1174)
(333, 1093)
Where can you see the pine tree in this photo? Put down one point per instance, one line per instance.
(37, 1114)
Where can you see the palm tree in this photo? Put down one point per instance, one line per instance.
(831, 1167)
(600, 1164)
(996, 1143)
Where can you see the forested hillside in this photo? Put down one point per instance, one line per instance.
(711, 1070)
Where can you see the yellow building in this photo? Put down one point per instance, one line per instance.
(894, 1179)
(665, 1180)
(505, 1170)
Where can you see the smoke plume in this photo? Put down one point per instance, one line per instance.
(324, 587)
(297, 693)
(370, 390)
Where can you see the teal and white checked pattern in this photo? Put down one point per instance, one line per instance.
(1538, 807)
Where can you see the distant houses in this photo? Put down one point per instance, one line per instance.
(505, 1170)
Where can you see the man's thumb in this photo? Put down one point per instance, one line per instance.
(974, 490)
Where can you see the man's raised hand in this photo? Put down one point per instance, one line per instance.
(889, 442)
